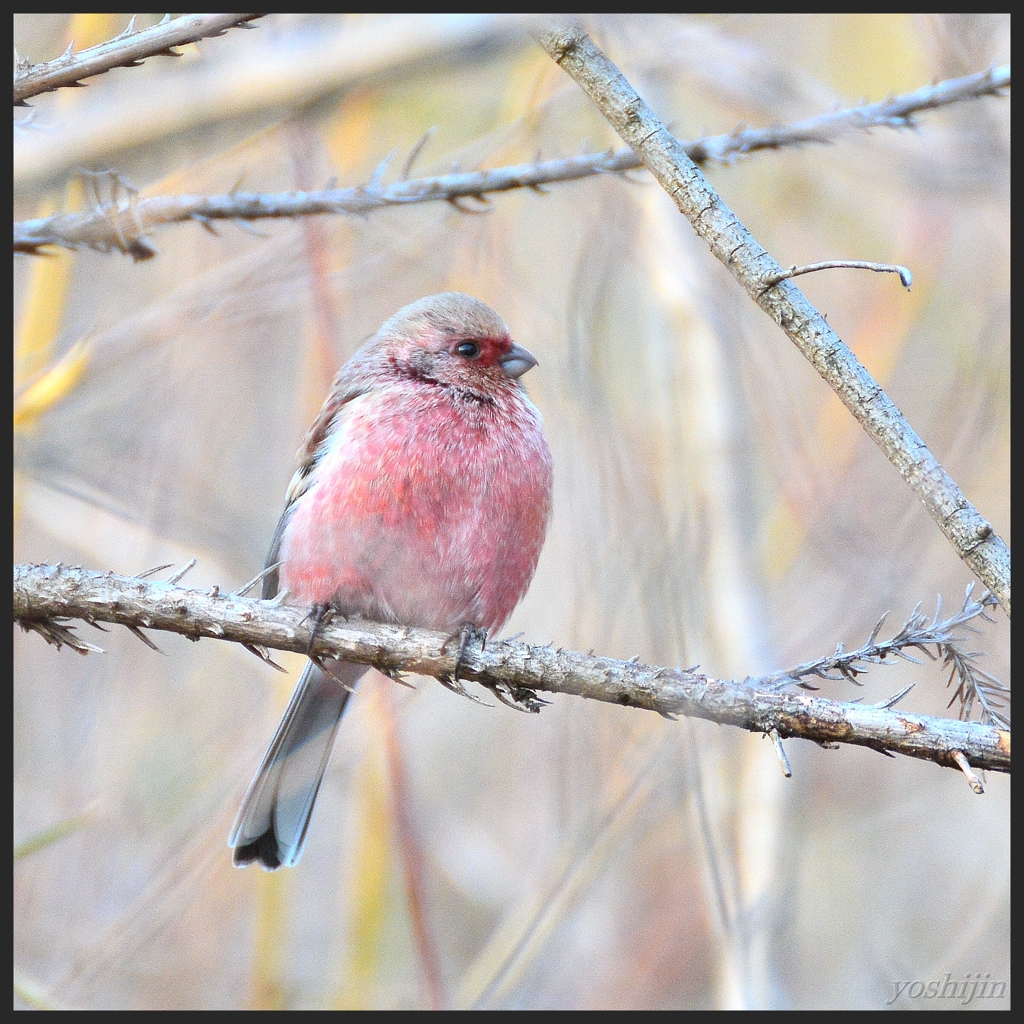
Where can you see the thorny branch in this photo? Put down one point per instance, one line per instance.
(127, 50)
(122, 225)
(947, 637)
(896, 112)
(45, 597)
(970, 534)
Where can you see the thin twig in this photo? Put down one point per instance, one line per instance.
(178, 576)
(145, 574)
(969, 773)
(259, 577)
(811, 268)
(780, 752)
(415, 152)
(264, 657)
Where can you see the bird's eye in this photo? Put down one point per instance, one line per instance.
(468, 349)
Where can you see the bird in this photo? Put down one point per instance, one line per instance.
(422, 497)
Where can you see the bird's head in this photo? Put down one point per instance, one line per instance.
(451, 339)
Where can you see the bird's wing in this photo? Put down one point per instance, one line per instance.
(308, 456)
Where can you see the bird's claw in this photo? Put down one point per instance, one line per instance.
(322, 614)
(455, 685)
(519, 697)
(466, 634)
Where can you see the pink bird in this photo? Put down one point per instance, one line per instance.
(422, 497)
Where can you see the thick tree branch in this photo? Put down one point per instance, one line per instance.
(123, 51)
(122, 225)
(46, 596)
(972, 536)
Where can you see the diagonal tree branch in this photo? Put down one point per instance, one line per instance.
(971, 535)
(46, 596)
(124, 51)
(122, 225)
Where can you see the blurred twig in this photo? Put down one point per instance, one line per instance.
(54, 834)
(122, 225)
(896, 112)
(33, 994)
(124, 51)
(45, 594)
(665, 157)
(302, 62)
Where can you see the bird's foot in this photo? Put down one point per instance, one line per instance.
(465, 635)
(321, 614)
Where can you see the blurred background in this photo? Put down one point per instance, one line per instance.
(714, 504)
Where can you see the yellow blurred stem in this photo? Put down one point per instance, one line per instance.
(51, 387)
(369, 888)
(92, 29)
(47, 290)
(349, 133)
(268, 985)
(48, 836)
(31, 993)
(44, 302)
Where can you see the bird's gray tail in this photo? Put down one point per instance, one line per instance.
(270, 829)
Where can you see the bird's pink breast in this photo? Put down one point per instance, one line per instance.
(426, 508)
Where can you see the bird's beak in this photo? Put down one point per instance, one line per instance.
(516, 361)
